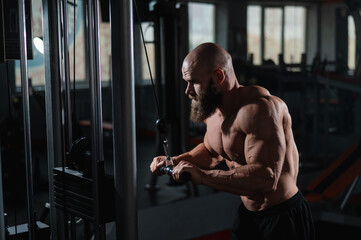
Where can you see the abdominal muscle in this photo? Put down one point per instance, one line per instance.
(286, 189)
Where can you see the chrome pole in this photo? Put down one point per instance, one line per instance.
(62, 217)
(53, 103)
(96, 113)
(67, 94)
(26, 117)
(124, 143)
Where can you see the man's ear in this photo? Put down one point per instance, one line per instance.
(219, 76)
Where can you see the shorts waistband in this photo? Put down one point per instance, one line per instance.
(277, 209)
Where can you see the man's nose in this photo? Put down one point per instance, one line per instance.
(189, 89)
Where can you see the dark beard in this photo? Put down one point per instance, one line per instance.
(207, 103)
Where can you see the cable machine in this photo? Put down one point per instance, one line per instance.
(84, 193)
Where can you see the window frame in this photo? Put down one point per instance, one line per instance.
(262, 27)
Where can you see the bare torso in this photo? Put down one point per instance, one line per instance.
(228, 142)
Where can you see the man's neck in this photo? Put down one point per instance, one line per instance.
(229, 98)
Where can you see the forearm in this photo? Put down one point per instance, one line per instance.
(244, 180)
(199, 156)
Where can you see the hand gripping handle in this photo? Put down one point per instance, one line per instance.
(184, 177)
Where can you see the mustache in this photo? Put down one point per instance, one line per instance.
(192, 97)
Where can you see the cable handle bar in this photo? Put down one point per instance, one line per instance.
(184, 177)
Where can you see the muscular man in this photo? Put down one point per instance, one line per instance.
(250, 130)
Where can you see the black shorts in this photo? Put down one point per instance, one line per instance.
(291, 219)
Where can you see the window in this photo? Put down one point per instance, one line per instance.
(283, 29)
(36, 70)
(294, 34)
(273, 33)
(148, 31)
(105, 50)
(351, 43)
(79, 43)
(201, 23)
(254, 33)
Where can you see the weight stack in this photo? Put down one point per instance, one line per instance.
(74, 193)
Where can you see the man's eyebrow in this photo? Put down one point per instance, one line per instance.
(191, 80)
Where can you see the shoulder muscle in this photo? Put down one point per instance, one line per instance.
(260, 115)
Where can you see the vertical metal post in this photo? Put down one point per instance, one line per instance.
(53, 103)
(184, 101)
(152, 186)
(62, 216)
(65, 31)
(26, 117)
(169, 15)
(92, 9)
(124, 118)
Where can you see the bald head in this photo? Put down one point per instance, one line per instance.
(210, 78)
(208, 57)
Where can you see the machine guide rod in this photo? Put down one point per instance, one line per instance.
(26, 117)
